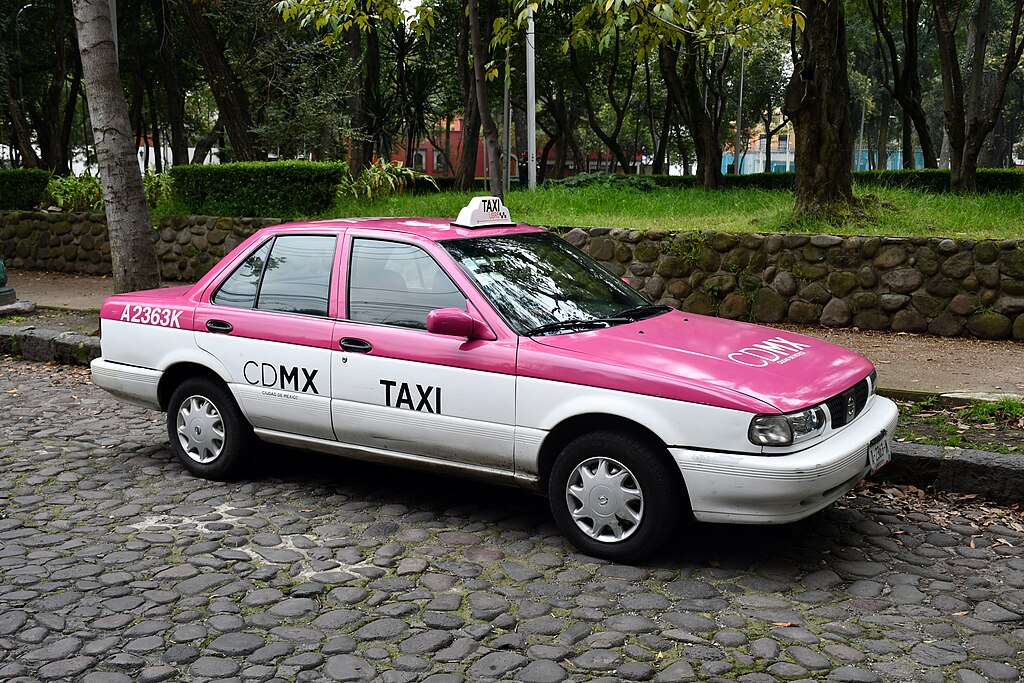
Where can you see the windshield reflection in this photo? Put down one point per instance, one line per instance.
(538, 279)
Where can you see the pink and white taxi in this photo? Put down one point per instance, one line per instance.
(496, 350)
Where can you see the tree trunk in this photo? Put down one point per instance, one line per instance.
(687, 98)
(171, 83)
(882, 145)
(22, 134)
(818, 103)
(358, 160)
(907, 137)
(465, 175)
(205, 143)
(661, 149)
(620, 109)
(970, 115)
(232, 99)
(132, 250)
(486, 120)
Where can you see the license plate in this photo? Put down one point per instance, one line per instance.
(879, 452)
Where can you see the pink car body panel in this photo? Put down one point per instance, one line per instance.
(675, 355)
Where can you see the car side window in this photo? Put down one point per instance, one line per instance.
(239, 289)
(291, 274)
(397, 284)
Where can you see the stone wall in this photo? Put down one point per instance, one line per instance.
(914, 284)
(906, 284)
(186, 246)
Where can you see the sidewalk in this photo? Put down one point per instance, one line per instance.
(912, 363)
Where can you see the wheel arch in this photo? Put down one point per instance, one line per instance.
(567, 430)
(174, 375)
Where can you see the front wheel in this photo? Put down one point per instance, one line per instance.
(613, 496)
(208, 432)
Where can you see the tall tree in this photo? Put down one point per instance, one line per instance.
(479, 51)
(973, 107)
(694, 77)
(132, 251)
(818, 103)
(901, 67)
(232, 98)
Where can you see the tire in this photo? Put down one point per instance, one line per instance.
(208, 432)
(634, 500)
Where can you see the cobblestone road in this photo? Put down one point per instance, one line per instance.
(117, 566)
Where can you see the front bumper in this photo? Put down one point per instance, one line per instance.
(775, 489)
(127, 382)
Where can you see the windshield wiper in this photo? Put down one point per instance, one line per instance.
(564, 325)
(643, 311)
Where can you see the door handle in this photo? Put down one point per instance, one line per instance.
(219, 326)
(355, 345)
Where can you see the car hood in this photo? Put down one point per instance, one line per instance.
(784, 370)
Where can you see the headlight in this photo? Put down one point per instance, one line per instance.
(783, 430)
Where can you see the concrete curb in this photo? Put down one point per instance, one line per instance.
(48, 346)
(993, 476)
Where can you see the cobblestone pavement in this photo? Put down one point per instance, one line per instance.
(116, 566)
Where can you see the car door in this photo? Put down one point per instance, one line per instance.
(270, 324)
(398, 388)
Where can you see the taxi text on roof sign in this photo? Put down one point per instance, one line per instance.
(482, 212)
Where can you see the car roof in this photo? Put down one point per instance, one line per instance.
(435, 229)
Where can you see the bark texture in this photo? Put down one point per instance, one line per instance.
(694, 86)
(232, 99)
(818, 104)
(972, 108)
(486, 120)
(132, 250)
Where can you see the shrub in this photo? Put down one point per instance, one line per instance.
(1005, 180)
(22, 189)
(381, 179)
(281, 189)
(157, 187)
(75, 193)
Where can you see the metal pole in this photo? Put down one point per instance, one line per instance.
(531, 103)
(739, 118)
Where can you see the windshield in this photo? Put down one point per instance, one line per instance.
(539, 281)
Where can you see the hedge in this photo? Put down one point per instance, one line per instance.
(1005, 180)
(22, 189)
(283, 189)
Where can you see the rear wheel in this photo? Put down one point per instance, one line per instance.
(613, 496)
(208, 432)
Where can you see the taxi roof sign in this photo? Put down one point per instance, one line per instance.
(483, 212)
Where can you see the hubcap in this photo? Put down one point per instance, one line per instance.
(200, 429)
(604, 499)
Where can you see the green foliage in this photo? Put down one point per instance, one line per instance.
(1003, 410)
(381, 179)
(281, 189)
(636, 183)
(1002, 180)
(157, 187)
(334, 17)
(75, 193)
(22, 189)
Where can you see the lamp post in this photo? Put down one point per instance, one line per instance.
(739, 117)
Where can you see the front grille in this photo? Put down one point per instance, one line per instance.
(838, 406)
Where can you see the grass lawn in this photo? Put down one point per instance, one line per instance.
(886, 211)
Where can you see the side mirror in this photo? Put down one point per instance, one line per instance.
(452, 322)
